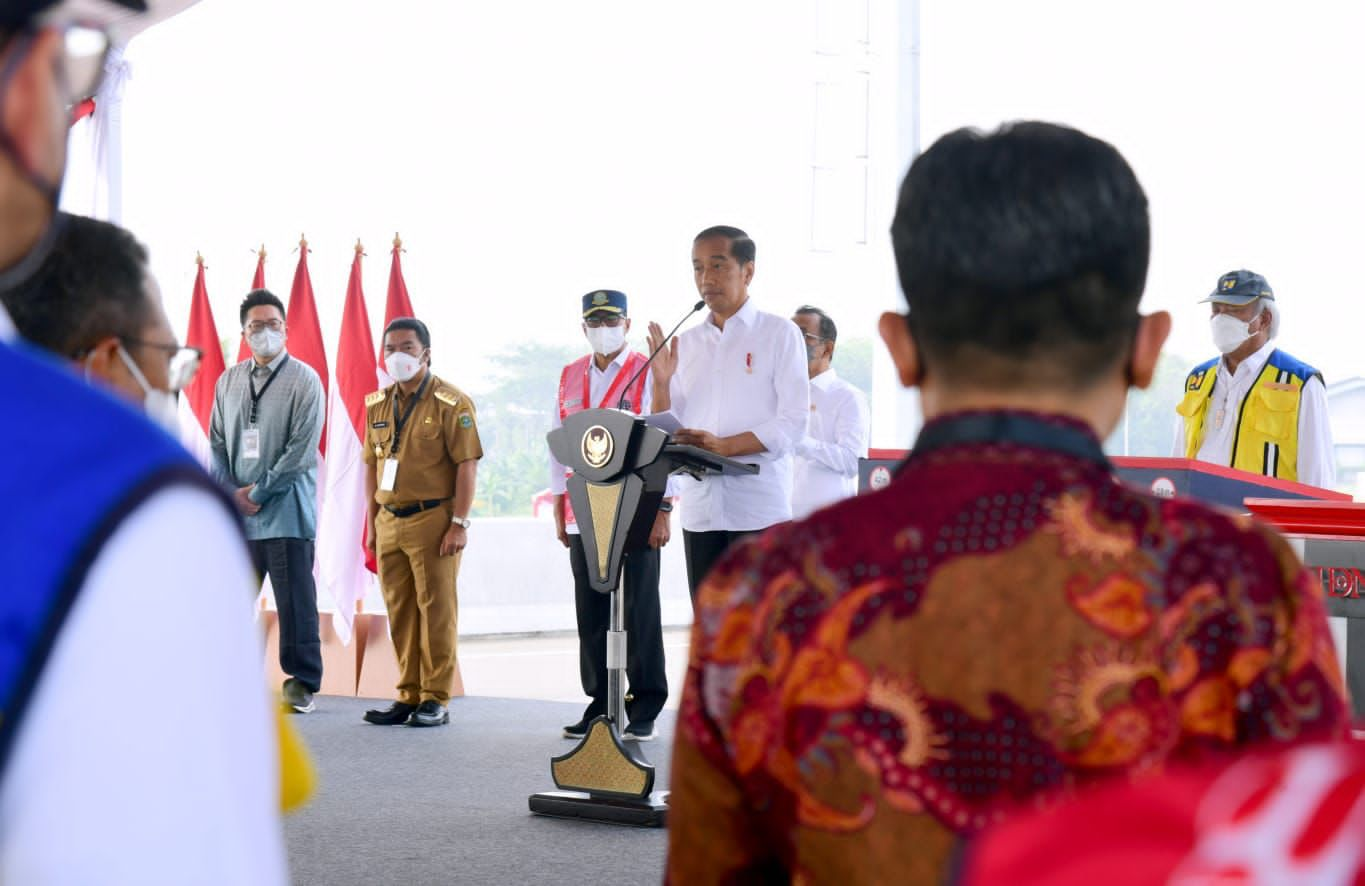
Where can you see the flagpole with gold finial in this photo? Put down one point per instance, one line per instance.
(398, 242)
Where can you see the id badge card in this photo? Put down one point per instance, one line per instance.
(251, 443)
(389, 476)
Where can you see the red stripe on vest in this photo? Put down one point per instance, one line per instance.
(581, 369)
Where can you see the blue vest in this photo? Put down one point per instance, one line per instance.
(78, 463)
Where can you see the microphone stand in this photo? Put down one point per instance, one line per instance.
(621, 404)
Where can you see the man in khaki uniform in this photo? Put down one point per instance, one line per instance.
(421, 453)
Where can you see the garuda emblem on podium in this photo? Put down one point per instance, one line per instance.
(597, 446)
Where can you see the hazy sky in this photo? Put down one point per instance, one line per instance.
(531, 151)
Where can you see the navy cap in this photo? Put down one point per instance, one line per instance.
(1240, 288)
(608, 300)
(16, 13)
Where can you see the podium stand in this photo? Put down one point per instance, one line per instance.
(620, 472)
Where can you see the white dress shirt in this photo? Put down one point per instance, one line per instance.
(750, 376)
(148, 751)
(1316, 462)
(826, 465)
(599, 383)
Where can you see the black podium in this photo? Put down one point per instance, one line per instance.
(620, 472)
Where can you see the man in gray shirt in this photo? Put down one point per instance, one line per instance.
(267, 421)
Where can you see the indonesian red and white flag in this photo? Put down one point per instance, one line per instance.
(257, 282)
(341, 527)
(196, 400)
(396, 305)
(304, 340)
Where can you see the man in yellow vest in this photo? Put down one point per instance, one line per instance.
(1255, 408)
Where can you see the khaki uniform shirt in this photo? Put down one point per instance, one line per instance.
(438, 434)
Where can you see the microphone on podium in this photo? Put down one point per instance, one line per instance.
(621, 404)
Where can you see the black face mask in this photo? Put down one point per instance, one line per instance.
(19, 45)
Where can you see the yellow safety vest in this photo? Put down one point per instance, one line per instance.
(1267, 437)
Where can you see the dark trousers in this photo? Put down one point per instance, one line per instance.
(289, 563)
(702, 550)
(644, 634)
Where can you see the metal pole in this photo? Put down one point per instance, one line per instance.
(616, 659)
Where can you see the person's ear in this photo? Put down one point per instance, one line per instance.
(102, 361)
(900, 344)
(1152, 331)
(748, 273)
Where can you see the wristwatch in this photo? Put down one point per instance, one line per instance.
(462, 522)
(666, 506)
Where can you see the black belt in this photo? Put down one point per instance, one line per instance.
(418, 508)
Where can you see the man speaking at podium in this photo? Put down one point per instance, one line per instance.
(738, 385)
(1255, 407)
(612, 375)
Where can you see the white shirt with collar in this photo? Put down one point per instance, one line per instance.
(1317, 461)
(749, 376)
(826, 465)
(599, 382)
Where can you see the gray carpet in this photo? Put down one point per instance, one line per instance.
(448, 805)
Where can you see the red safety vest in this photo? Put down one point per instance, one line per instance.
(575, 387)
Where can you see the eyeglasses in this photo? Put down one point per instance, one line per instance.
(813, 337)
(184, 362)
(85, 50)
(272, 325)
(598, 322)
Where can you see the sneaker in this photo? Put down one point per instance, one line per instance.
(430, 713)
(639, 732)
(297, 697)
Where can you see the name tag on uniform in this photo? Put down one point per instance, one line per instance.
(389, 476)
(251, 443)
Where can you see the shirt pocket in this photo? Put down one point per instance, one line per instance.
(429, 428)
(381, 437)
(1275, 413)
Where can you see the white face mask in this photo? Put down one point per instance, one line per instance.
(607, 340)
(158, 405)
(1228, 332)
(401, 366)
(266, 343)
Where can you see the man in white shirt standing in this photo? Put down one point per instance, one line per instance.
(826, 464)
(737, 383)
(613, 375)
(1255, 408)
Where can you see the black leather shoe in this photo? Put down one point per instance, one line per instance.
(430, 713)
(395, 714)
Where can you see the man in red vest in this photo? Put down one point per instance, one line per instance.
(611, 376)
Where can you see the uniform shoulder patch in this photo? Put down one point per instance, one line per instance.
(447, 397)
(466, 420)
(376, 397)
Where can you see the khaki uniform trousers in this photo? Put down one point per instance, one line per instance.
(419, 591)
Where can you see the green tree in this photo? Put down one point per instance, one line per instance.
(853, 362)
(1151, 416)
(514, 417)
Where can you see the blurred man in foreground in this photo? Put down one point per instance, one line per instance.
(871, 685)
(127, 574)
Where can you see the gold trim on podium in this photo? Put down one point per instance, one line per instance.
(604, 499)
(600, 765)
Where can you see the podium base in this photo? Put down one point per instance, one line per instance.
(646, 812)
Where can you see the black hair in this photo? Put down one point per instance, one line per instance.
(413, 324)
(742, 247)
(89, 287)
(828, 331)
(257, 297)
(1022, 255)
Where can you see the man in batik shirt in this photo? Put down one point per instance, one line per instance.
(870, 686)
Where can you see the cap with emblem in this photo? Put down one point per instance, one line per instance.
(608, 300)
(1239, 288)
